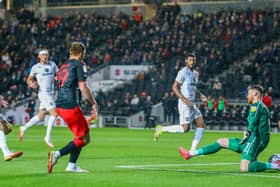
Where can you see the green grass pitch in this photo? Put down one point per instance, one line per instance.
(118, 157)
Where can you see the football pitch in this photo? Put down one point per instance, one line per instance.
(118, 157)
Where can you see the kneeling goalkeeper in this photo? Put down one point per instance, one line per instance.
(255, 140)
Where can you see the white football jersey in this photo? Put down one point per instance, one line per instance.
(44, 74)
(188, 80)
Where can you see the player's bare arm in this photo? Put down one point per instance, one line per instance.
(203, 98)
(89, 97)
(31, 83)
(5, 126)
(176, 90)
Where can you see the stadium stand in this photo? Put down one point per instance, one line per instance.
(242, 31)
(261, 67)
(54, 33)
(220, 40)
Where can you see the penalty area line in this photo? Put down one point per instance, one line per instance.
(228, 173)
(175, 165)
(162, 167)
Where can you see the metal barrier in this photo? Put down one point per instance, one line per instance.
(114, 121)
(87, 2)
(134, 121)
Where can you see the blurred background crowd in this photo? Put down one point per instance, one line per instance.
(233, 48)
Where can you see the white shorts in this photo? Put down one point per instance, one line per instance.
(46, 102)
(188, 114)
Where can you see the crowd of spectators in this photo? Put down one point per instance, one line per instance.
(261, 67)
(25, 33)
(234, 117)
(218, 40)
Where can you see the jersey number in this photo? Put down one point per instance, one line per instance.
(62, 75)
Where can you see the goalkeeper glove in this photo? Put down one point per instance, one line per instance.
(245, 137)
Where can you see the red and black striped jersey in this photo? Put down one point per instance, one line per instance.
(68, 77)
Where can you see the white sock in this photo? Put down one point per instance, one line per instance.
(194, 153)
(3, 144)
(197, 137)
(275, 166)
(71, 165)
(30, 123)
(173, 129)
(51, 122)
(57, 154)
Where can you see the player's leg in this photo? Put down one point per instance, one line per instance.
(50, 124)
(225, 143)
(74, 155)
(250, 154)
(206, 150)
(82, 138)
(3, 144)
(53, 156)
(8, 155)
(35, 119)
(77, 123)
(48, 103)
(184, 121)
(256, 166)
(171, 129)
(176, 128)
(250, 151)
(200, 126)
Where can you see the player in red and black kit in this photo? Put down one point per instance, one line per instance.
(70, 77)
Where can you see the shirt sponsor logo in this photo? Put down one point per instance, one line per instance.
(45, 74)
(253, 109)
(187, 119)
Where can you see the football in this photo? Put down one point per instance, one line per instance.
(275, 158)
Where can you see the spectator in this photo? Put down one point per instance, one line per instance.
(173, 108)
(147, 111)
(158, 41)
(3, 102)
(211, 103)
(267, 99)
(107, 58)
(135, 102)
(217, 88)
(278, 122)
(165, 100)
(222, 104)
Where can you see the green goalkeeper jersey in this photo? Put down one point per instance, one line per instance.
(259, 120)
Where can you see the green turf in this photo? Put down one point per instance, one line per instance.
(156, 164)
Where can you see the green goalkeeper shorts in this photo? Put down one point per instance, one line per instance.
(250, 149)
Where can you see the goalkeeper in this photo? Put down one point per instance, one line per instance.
(255, 140)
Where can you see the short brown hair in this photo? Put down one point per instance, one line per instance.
(257, 87)
(77, 47)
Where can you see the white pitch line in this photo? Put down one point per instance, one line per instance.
(159, 167)
(176, 165)
(229, 173)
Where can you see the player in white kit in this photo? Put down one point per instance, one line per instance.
(42, 76)
(184, 88)
(5, 129)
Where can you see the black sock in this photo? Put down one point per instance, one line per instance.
(74, 155)
(68, 148)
